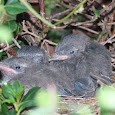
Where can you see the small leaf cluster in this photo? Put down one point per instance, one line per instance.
(97, 14)
(13, 95)
(9, 11)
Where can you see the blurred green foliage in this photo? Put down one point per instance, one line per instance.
(9, 9)
(106, 99)
(8, 12)
(44, 102)
(13, 94)
(5, 34)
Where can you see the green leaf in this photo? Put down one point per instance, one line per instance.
(7, 89)
(11, 17)
(4, 17)
(28, 100)
(12, 112)
(105, 34)
(15, 8)
(12, 25)
(4, 109)
(16, 86)
(0, 57)
(3, 14)
(25, 104)
(97, 13)
(8, 92)
(13, 91)
(31, 94)
(11, 100)
(18, 90)
(98, 36)
(18, 29)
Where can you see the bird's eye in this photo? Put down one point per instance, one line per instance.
(18, 67)
(72, 52)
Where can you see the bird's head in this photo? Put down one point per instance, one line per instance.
(14, 66)
(71, 46)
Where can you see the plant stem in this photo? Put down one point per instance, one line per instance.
(36, 14)
(77, 7)
(71, 13)
(16, 106)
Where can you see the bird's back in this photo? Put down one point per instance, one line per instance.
(36, 54)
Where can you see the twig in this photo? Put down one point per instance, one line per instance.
(90, 30)
(33, 1)
(109, 39)
(56, 4)
(50, 42)
(29, 33)
(42, 12)
(17, 44)
(6, 48)
(65, 5)
(62, 13)
(108, 7)
(100, 82)
(100, 78)
(26, 30)
(103, 29)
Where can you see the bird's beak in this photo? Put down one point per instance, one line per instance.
(59, 57)
(7, 69)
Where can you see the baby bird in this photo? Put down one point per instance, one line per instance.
(82, 60)
(30, 75)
